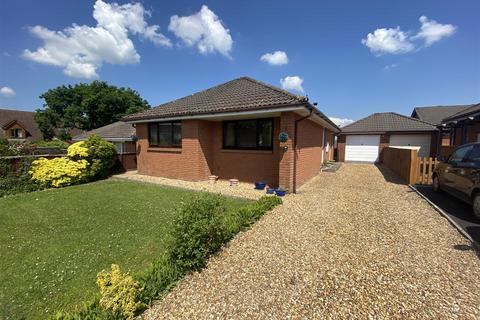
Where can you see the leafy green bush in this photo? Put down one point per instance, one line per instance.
(58, 172)
(196, 231)
(15, 177)
(55, 143)
(102, 156)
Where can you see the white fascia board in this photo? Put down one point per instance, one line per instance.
(222, 115)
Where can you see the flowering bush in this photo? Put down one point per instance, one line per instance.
(118, 292)
(58, 172)
(77, 150)
(102, 157)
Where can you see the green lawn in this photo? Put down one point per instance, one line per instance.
(54, 242)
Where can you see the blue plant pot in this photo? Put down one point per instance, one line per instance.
(280, 193)
(270, 190)
(260, 185)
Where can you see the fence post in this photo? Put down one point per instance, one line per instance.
(413, 167)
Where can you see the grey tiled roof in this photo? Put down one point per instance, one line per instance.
(242, 94)
(436, 114)
(388, 122)
(472, 109)
(116, 130)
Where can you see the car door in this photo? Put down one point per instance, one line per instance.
(456, 171)
(468, 172)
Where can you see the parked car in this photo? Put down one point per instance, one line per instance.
(459, 175)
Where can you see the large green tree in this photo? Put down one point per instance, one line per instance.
(85, 106)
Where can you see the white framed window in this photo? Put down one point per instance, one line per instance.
(118, 146)
(16, 133)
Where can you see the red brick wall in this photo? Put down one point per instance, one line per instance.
(309, 151)
(341, 147)
(246, 165)
(187, 163)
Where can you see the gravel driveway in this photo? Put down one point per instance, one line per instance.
(350, 245)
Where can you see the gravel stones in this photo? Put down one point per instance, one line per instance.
(352, 244)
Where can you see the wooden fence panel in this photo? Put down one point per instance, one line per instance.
(425, 166)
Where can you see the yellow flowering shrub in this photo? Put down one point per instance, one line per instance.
(77, 150)
(58, 172)
(119, 292)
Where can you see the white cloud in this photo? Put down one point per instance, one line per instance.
(80, 50)
(292, 83)
(276, 58)
(341, 122)
(431, 31)
(204, 30)
(391, 66)
(7, 92)
(383, 41)
(396, 41)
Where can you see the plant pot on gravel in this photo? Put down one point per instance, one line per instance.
(260, 185)
(280, 192)
(270, 190)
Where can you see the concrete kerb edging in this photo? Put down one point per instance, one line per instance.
(475, 245)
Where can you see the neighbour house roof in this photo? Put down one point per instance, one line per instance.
(472, 110)
(436, 114)
(115, 131)
(388, 122)
(25, 119)
(239, 95)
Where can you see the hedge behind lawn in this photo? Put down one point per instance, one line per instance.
(199, 229)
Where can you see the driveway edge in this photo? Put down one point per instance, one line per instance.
(446, 216)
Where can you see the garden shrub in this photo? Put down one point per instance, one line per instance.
(77, 151)
(196, 231)
(58, 172)
(102, 156)
(15, 177)
(119, 292)
(55, 143)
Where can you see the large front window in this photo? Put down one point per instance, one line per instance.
(165, 134)
(248, 134)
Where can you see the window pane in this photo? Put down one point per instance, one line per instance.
(229, 134)
(165, 134)
(153, 134)
(247, 134)
(474, 156)
(458, 155)
(177, 133)
(265, 132)
(118, 146)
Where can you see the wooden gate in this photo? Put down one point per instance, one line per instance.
(425, 167)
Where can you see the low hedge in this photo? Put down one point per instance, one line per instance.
(200, 228)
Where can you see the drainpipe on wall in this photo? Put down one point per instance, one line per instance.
(295, 140)
(323, 145)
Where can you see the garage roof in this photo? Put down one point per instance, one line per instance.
(435, 114)
(388, 122)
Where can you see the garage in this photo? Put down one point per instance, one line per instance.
(362, 148)
(363, 140)
(421, 141)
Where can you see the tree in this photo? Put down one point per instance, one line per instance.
(86, 107)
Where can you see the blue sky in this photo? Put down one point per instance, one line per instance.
(169, 49)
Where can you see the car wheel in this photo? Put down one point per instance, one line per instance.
(436, 184)
(476, 205)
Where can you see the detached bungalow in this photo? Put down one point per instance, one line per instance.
(243, 129)
(364, 139)
(122, 135)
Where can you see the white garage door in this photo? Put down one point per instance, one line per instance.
(362, 148)
(421, 141)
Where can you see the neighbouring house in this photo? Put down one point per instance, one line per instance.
(232, 131)
(464, 126)
(435, 116)
(364, 140)
(122, 135)
(19, 125)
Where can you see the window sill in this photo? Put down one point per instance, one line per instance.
(164, 149)
(247, 151)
